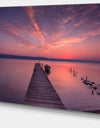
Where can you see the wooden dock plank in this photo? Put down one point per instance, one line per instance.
(41, 92)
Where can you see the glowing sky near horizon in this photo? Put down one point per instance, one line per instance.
(71, 32)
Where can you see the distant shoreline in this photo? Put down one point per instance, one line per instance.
(8, 56)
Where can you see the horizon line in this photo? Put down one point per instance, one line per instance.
(13, 56)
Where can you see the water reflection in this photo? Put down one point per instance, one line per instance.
(73, 72)
(72, 90)
(66, 77)
(14, 79)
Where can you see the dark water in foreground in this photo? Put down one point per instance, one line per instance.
(15, 76)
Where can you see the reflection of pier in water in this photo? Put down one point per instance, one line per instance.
(41, 92)
(73, 71)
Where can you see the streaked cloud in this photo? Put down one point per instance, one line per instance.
(30, 13)
(66, 41)
(26, 43)
(41, 29)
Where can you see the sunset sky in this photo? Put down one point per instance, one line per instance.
(70, 32)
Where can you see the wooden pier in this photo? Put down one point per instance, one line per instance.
(41, 92)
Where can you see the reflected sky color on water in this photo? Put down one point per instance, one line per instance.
(15, 76)
(74, 94)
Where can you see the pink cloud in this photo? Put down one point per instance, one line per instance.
(26, 43)
(18, 34)
(88, 9)
(91, 33)
(72, 40)
(38, 32)
(66, 20)
(66, 41)
(81, 22)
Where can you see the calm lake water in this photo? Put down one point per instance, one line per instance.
(15, 76)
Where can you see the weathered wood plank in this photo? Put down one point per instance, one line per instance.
(41, 92)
